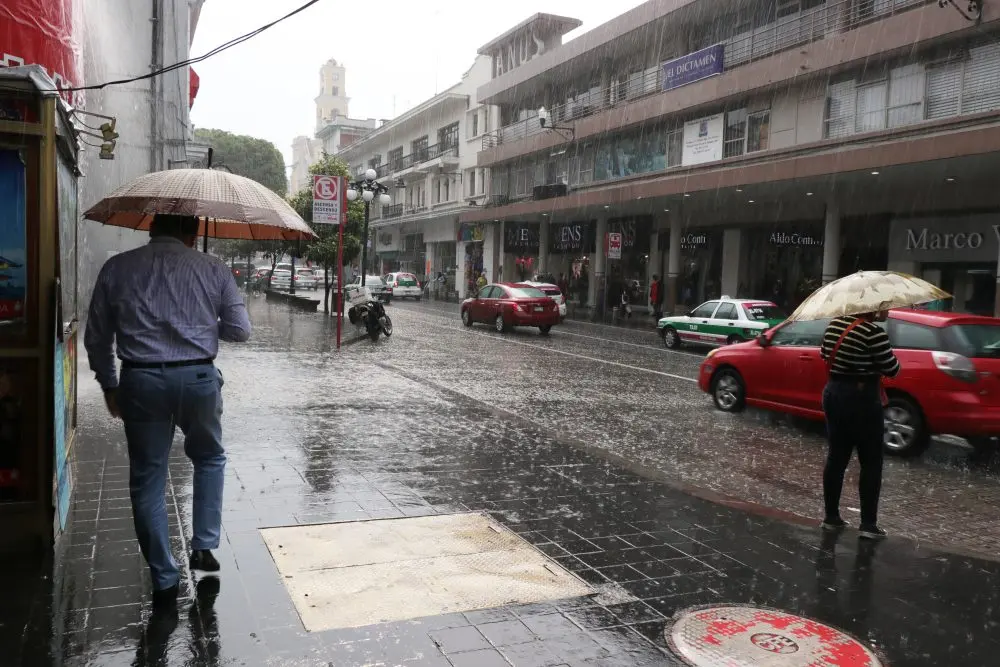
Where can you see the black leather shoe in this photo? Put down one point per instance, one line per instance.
(204, 561)
(166, 598)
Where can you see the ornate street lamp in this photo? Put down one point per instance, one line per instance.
(369, 188)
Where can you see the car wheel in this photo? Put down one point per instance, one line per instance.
(729, 391)
(904, 430)
(732, 340)
(545, 329)
(500, 324)
(671, 338)
(467, 318)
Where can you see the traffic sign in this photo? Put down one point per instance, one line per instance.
(614, 245)
(328, 200)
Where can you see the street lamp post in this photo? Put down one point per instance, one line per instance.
(369, 188)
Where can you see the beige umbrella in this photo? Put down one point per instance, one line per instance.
(231, 206)
(867, 292)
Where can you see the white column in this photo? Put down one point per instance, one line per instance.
(673, 264)
(730, 262)
(600, 263)
(543, 247)
(460, 269)
(831, 244)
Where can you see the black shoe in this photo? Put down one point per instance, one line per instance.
(833, 523)
(203, 560)
(166, 598)
(872, 532)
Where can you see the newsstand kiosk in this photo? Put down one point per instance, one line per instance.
(38, 308)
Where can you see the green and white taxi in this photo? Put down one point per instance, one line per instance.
(720, 322)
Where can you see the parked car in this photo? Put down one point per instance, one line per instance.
(720, 322)
(403, 285)
(376, 286)
(281, 279)
(506, 305)
(551, 291)
(949, 379)
(242, 273)
(305, 278)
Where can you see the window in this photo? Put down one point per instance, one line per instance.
(735, 134)
(475, 123)
(675, 147)
(727, 311)
(418, 149)
(910, 336)
(448, 137)
(375, 162)
(486, 292)
(762, 311)
(705, 310)
(395, 157)
(840, 109)
(871, 107)
(336, 91)
(800, 334)
(758, 130)
(906, 93)
(482, 181)
(471, 176)
(526, 293)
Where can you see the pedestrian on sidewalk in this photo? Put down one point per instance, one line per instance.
(165, 306)
(858, 355)
(656, 297)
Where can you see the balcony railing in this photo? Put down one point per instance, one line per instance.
(785, 33)
(418, 157)
(393, 211)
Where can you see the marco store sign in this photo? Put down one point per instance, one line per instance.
(973, 239)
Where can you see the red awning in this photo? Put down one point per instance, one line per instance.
(194, 82)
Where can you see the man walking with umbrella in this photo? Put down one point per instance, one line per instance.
(165, 306)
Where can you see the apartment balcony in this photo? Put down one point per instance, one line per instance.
(784, 34)
(391, 212)
(422, 162)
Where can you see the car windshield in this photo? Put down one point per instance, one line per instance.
(976, 340)
(763, 311)
(526, 293)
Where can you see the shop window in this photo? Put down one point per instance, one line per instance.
(705, 310)
(727, 311)
(909, 336)
(800, 334)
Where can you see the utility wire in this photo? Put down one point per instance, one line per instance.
(190, 61)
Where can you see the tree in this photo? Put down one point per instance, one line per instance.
(257, 159)
(323, 251)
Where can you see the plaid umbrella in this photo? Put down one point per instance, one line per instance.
(867, 292)
(232, 207)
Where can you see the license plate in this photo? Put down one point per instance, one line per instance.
(538, 309)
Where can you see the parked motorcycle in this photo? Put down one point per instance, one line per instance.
(372, 315)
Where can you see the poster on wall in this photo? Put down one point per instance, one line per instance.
(470, 232)
(703, 140)
(13, 238)
(64, 401)
(66, 183)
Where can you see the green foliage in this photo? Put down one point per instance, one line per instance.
(257, 159)
(323, 251)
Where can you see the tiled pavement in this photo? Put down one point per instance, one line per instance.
(378, 445)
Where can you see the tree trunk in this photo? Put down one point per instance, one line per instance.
(326, 290)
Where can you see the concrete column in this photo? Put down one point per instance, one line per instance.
(673, 265)
(831, 244)
(460, 269)
(731, 239)
(600, 263)
(543, 247)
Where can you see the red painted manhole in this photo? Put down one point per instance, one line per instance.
(752, 637)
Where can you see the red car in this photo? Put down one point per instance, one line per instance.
(504, 306)
(949, 381)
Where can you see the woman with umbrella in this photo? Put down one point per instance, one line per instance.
(858, 355)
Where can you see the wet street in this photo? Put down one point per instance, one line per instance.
(595, 445)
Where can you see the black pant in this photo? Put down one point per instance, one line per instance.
(853, 420)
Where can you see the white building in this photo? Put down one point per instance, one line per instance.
(427, 157)
(335, 130)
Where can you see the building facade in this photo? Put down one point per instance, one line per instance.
(427, 156)
(753, 149)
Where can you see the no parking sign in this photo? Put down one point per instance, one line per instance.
(328, 200)
(614, 245)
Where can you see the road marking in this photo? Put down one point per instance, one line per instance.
(568, 354)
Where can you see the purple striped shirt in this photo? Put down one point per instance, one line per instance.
(159, 303)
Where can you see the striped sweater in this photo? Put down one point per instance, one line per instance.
(864, 354)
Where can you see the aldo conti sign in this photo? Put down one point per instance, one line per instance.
(45, 33)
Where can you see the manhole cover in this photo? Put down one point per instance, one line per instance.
(748, 636)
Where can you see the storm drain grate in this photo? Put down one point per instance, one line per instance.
(353, 574)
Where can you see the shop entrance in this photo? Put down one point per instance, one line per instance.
(974, 286)
(786, 266)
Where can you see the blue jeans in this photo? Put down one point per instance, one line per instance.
(153, 403)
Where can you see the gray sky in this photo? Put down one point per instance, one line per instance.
(397, 53)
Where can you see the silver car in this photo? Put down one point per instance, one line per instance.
(305, 279)
(281, 279)
(376, 286)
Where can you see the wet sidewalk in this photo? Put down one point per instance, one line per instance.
(315, 438)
